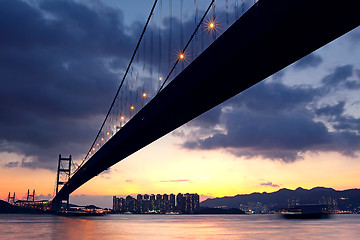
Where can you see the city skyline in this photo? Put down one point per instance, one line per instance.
(187, 203)
(298, 128)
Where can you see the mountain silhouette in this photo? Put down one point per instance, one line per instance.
(346, 200)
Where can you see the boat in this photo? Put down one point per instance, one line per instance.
(308, 211)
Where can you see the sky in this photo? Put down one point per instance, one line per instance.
(297, 128)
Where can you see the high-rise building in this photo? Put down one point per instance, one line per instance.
(119, 204)
(130, 204)
(166, 203)
(152, 206)
(115, 203)
(139, 203)
(180, 203)
(172, 202)
(191, 202)
(158, 203)
(185, 203)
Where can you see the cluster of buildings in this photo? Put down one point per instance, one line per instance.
(332, 205)
(181, 203)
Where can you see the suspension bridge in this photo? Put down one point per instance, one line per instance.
(183, 66)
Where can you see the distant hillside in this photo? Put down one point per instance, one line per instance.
(343, 200)
(5, 207)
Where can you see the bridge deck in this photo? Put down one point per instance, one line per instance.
(267, 38)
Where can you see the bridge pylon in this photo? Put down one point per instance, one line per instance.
(11, 198)
(29, 196)
(62, 168)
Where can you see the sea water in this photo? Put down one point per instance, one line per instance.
(156, 226)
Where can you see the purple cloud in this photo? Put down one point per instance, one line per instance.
(269, 184)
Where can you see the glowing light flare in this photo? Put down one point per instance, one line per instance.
(160, 78)
(144, 95)
(122, 117)
(93, 149)
(108, 133)
(132, 108)
(182, 56)
(102, 139)
(211, 25)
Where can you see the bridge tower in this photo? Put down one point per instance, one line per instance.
(29, 196)
(11, 198)
(63, 168)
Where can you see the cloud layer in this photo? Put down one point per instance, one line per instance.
(280, 122)
(61, 62)
(58, 65)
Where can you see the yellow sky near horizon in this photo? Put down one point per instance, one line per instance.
(163, 168)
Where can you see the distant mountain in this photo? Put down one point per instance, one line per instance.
(343, 200)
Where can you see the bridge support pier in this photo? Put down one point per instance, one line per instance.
(64, 166)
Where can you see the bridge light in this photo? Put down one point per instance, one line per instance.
(144, 95)
(108, 133)
(211, 25)
(160, 78)
(97, 144)
(181, 55)
(89, 152)
(122, 117)
(132, 108)
(102, 139)
(93, 149)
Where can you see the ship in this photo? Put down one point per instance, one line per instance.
(308, 211)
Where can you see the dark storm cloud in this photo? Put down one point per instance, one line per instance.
(328, 110)
(338, 119)
(274, 121)
(311, 60)
(347, 124)
(57, 82)
(340, 75)
(57, 65)
(273, 136)
(274, 97)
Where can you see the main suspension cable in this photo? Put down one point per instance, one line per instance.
(121, 84)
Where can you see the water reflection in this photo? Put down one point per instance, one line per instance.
(176, 227)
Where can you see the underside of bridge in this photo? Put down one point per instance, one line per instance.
(270, 36)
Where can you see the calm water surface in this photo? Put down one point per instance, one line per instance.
(13, 226)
